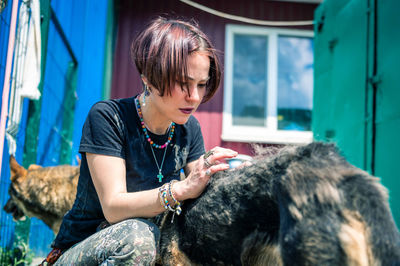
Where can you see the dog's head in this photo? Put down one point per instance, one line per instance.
(18, 175)
(13, 209)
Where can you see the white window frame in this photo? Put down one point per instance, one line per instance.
(269, 133)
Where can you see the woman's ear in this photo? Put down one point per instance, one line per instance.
(144, 80)
(147, 87)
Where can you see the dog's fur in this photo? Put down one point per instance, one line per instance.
(304, 206)
(46, 193)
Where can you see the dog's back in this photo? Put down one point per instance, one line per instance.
(304, 206)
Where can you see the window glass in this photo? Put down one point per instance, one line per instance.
(249, 80)
(295, 83)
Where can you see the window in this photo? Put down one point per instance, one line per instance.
(268, 85)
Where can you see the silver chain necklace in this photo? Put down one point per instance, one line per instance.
(160, 175)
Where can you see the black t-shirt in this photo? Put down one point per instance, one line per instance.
(113, 128)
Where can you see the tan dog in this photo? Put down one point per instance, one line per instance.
(46, 193)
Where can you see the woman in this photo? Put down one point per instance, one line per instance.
(133, 151)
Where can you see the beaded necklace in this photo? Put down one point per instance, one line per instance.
(152, 143)
(171, 130)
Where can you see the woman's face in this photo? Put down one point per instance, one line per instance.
(179, 106)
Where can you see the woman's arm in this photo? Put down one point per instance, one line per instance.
(109, 178)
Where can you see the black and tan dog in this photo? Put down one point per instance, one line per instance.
(304, 206)
(46, 193)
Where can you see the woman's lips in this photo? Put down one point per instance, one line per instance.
(186, 111)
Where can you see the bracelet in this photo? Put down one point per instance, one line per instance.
(163, 193)
(177, 206)
(170, 191)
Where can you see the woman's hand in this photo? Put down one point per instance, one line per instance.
(201, 171)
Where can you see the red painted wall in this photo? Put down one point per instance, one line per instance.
(133, 15)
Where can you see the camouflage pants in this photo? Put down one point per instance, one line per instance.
(130, 242)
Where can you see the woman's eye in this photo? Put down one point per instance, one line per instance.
(202, 85)
(181, 83)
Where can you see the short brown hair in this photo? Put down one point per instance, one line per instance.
(160, 53)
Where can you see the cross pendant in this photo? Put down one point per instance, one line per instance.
(160, 177)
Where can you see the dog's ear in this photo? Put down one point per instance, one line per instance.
(16, 169)
(34, 167)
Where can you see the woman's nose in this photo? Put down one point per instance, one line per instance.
(194, 94)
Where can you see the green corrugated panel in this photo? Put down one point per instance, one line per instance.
(32, 127)
(322, 117)
(349, 72)
(340, 74)
(369, 89)
(387, 144)
(68, 114)
(109, 50)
